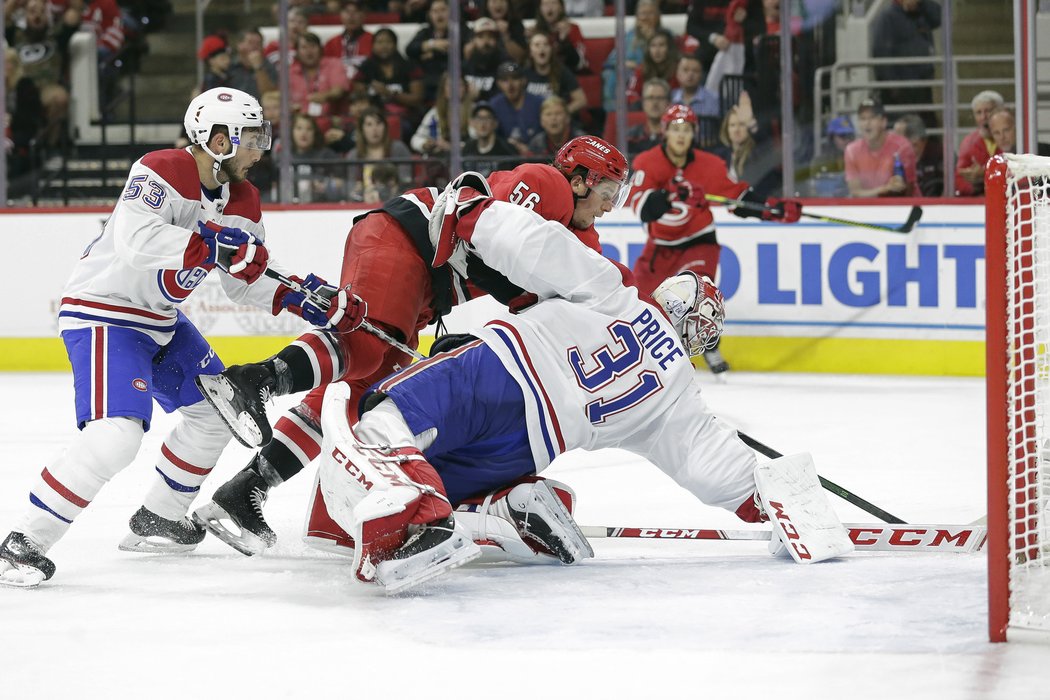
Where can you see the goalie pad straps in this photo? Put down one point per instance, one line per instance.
(799, 510)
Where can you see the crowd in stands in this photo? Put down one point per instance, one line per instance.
(371, 117)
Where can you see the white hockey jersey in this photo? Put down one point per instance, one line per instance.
(133, 274)
(601, 367)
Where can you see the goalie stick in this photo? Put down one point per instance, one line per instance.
(323, 302)
(913, 216)
(961, 539)
(840, 491)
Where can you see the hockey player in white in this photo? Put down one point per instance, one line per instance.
(591, 366)
(181, 214)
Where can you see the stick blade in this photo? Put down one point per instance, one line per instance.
(913, 218)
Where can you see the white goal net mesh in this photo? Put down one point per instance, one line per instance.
(1028, 389)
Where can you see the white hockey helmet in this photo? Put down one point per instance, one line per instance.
(238, 111)
(696, 308)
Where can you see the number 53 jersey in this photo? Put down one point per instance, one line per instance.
(133, 274)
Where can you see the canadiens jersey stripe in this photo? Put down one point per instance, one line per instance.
(71, 301)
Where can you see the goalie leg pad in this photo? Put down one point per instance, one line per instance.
(528, 522)
(799, 510)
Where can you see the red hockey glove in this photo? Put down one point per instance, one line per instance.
(785, 211)
(692, 195)
(347, 311)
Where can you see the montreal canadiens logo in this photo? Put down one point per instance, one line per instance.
(176, 285)
(139, 384)
(224, 97)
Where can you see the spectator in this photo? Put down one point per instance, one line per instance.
(557, 128)
(373, 146)
(904, 29)
(486, 56)
(388, 77)
(42, 48)
(250, 72)
(749, 153)
(486, 142)
(215, 54)
(731, 57)
(412, 11)
(977, 147)
(511, 30)
(706, 20)
(880, 163)
(432, 137)
(660, 61)
(316, 84)
(103, 17)
(264, 174)
(929, 155)
(546, 76)
(656, 98)
(314, 182)
(646, 21)
(565, 36)
(354, 44)
(827, 170)
(429, 49)
(298, 24)
(691, 91)
(517, 111)
(24, 116)
(584, 8)
(1003, 126)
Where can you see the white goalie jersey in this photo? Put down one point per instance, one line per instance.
(601, 367)
(133, 274)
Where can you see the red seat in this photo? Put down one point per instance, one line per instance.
(633, 119)
(597, 50)
(382, 18)
(325, 18)
(592, 89)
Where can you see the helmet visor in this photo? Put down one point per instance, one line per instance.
(613, 191)
(255, 137)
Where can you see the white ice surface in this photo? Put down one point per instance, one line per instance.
(643, 619)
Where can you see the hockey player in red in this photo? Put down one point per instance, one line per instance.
(668, 193)
(387, 262)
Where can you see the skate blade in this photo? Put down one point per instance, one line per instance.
(213, 517)
(572, 550)
(394, 582)
(19, 575)
(152, 545)
(218, 392)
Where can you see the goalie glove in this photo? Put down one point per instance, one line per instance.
(460, 196)
(237, 253)
(304, 305)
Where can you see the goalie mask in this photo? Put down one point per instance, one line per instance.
(238, 111)
(696, 308)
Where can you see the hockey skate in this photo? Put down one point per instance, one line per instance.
(22, 565)
(542, 519)
(434, 549)
(235, 515)
(151, 533)
(239, 395)
(715, 362)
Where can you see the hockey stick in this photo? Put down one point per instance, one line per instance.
(839, 491)
(868, 537)
(913, 216)
(323, 302)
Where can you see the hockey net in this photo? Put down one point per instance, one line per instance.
(1018, 380)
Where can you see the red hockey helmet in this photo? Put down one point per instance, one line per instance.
(678, 113)
(601, 159)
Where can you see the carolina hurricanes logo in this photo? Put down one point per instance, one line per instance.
(176, 285)
(224, 97)
(139, 384)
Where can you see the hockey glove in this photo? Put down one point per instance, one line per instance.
(692, 195)
(238, 253)
(347, 311)
(459, 197)
(785, 211)
(303, 306)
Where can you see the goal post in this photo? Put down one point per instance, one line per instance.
(1017, 256)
